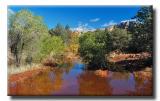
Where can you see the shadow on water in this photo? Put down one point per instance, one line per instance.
(130, 65)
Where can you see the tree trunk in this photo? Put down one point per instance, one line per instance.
(17, 62)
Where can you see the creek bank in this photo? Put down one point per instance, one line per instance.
(129, 62)
(25, 75)
(122, 63)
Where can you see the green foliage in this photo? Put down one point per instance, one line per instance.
(58, 30)
(118, 39)
(64, 33)
(51, 45)
(25, 33)
(142, 38)
(92, 48)
(95, 45)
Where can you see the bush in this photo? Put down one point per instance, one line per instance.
(92, 49)
(118, 39)
(51, 46)
(95, 45)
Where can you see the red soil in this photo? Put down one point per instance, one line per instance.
(118, 57)
(24, 75)
(121, 57)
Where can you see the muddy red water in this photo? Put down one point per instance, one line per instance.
(74, 80)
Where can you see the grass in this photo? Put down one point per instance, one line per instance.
(23, 68)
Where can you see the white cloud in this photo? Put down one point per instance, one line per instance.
(128, 20)
(94, 20)
(83, 28)
(110, 23)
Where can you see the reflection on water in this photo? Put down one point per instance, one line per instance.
(121, 83)
(74, 80)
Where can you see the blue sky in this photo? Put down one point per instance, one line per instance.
(90, 17)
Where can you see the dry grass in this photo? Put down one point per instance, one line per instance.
(15, 70)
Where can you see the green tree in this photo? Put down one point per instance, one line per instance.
(51, 46)
(142, 38)
(92, 49)
(64, 32)
(58, 30)
(94, 46)
(67, 35)
(118, 39)
(25, 32)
